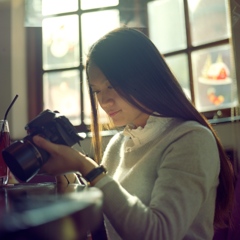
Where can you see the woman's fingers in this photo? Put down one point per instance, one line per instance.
(56, 162)
(62, 158)
(43, 143)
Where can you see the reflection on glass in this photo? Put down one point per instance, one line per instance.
(58, 6)
(214, 79)
(208, 21)
(90, 4)
(179, 66)
(103, 118)
(104, 21)
(60, 42)
(167, 25)
(61, 92)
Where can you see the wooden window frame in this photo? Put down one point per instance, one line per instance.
(35, 71)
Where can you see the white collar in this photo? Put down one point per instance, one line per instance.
(141, 135)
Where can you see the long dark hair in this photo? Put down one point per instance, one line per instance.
(139, 73)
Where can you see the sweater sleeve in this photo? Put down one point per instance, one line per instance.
(187, 176)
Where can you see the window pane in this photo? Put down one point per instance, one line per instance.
(61, 92)
(103, 118)
(60, 42)
(58, 6)
(90, 4)
(167, 25)
(214, 79)
(208, 21)
(179, 67)
(104, 21)
(33, 13)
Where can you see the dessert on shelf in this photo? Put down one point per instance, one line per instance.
(215, 82)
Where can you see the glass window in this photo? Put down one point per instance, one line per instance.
(60, 42)
(90, 4)
(193, 35)
(207, 50)
(33, 13)
(104, 21)
(179, 66)
(167, 25)
(61, 93)
(50, 7)
(208, 21)
(62, 89)
(214, 78)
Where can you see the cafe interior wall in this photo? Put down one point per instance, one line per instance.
(13, 65)
(13, 81)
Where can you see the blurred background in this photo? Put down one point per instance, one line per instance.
(44, 43)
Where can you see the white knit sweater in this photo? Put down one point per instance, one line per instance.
(161, 181)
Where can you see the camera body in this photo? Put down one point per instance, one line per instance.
(24, 158)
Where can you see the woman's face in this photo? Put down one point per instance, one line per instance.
(120, 111)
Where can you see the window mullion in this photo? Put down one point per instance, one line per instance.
(189, 47)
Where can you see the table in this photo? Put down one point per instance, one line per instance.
(49, 211)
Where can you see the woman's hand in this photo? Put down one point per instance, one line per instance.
(63, 159)
(67, 178)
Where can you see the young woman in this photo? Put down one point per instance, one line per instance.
(167, 174)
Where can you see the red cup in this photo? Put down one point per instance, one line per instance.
(4, 142)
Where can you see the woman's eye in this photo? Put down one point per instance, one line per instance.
(98, 91)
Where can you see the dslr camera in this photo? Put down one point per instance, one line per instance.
(24, 158)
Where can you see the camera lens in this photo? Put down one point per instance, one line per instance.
(24, 159)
